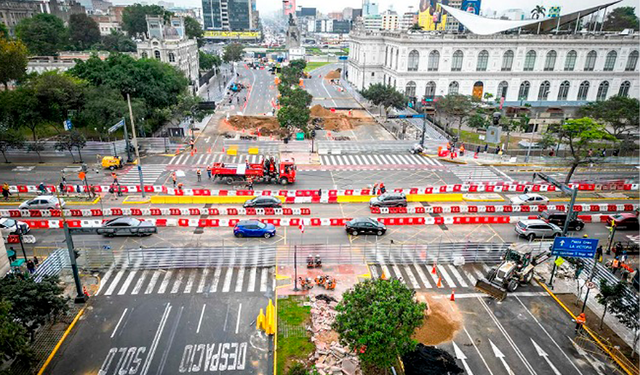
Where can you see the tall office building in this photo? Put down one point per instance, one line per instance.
(232, 15)
(369, 7)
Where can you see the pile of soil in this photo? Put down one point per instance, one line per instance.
(329, 120)
(427, 360)
(440, 324)
(267, 126)
(332, 74)
(320, 111)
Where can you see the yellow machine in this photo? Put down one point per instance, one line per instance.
(112, 162)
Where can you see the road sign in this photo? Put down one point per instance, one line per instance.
(591, 284)
(67, 125)
(559, 261)
(116, 126)
(574, 247)
(342, 57)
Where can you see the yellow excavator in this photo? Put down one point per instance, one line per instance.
(516, 268)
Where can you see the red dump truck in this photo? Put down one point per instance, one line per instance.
(277, 172)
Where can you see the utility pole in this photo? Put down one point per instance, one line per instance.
(126, 137)
(135, 144)
(80, 296)
(424, 128)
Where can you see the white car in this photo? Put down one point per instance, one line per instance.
(8, 226)
(43, 202)
(528, 199)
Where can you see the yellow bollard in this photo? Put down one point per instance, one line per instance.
(260, 321)
(270, 327)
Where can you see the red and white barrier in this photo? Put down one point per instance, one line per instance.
(463, 209)
(181, 211)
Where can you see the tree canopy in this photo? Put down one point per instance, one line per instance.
(134, 20)
(208, 61)
(619, 112)
(294, 111)
(13, 336)
(44, 34)
(193, 30)
(377, 318)
(460, 107)
(622, 18)
(13, 60)
(116, 42)
(580, 135)
(385, 95)
(84, 32)
(233, 52)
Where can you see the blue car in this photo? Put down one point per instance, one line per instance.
(254, 228)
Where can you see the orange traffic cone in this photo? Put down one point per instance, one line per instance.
(223, 150)
(192, 152)
(475, 156)
(433, 270)
(177, 150)
(383, 276)
(453, 296)
(439, 284)
(209, 150)
(85, 291)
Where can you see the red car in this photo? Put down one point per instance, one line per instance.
(624, 221)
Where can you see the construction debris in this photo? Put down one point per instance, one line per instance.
(329, 358)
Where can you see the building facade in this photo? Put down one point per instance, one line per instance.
(370, 7)
(231, 15)
(542, 70)
(12, 12)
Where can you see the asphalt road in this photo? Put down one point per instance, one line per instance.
(262, 92)
(325, 93)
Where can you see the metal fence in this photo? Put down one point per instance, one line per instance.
(53, 264)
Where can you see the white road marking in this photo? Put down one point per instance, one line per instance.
(474, 345)
(152, 282)
(104, 280)
(412, 277)
(240, 280)
(119, 321)
(165, 282)
(386, 272)
(143, 276)
(252, 280)
(238, 320)
(127, 282)
(544, 355)
(396, 270)
(263, 279)
(463, 358)
(203, 280)
(227, 280)
(500, 356)
(200, 320)
(470, 277)
(176, 284)
(190, 281)
(445, 275)
(374, 272)
(502, 173)
(216, 280)
(422, 276)
(114, 283)
(154, 343)
(457, 275)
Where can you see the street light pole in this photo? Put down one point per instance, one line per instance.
(424, 128)
(135, 144)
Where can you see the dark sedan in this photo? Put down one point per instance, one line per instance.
(365, 225)
(264, 201)
(127, 226)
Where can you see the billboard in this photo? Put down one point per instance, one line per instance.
(471, 6)
(232, 34)
(554, 11)
(431, 16)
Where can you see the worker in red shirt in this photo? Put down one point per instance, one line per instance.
(209, 172)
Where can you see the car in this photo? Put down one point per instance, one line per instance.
(263, 201)
(624, 220)
(534, 228)
(389, 200)
(558, 218)
(529, 198)
(136, 227)
(365, 225)
(47, 202)
(10, 226)
(254, 228)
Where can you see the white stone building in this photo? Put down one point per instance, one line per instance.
(169, 44)
(542, 70)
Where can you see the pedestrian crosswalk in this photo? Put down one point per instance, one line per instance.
(478, 173)
(134, 281)
(378, 159)
(208, 159)
(150, 173)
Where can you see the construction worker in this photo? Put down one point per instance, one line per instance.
(330, 284)
(209, 172)
(199, 174)
(174, 178)
(462, 150)
(192, 144)
(180, 186)
(580, 321)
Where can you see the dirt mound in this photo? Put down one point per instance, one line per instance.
(320, 111)
(332, 75)
(440, 325)
(265, 125)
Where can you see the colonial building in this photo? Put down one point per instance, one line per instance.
(169, 44)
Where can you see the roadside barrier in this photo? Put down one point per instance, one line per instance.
(463, 209)
(178, 211)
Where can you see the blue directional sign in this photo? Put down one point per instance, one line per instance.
(574, 247)
(342, 57)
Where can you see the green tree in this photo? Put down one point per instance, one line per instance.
(415, 27)
(13, 336)
(538, 11)
(298, 64)
(209, 61)
(10, 138)
(296, 97)
(384, 95)
(37, 146)
(13, 61)
(622, 18)
(608, 296)
(628, 314)
(377, 318)
(292, 117)
(134, 20)
(33, 303)
(105, 106)
(4, 32)
(68, 140)
(44, 34)
(619, 112)
(548, 140)
(84, 32)
(233, 52)
(580, 134)
(193, 29)
(457, 106)
(477, 121)
(58, 95)
(511, 124)
(24, 110)
(117, 42)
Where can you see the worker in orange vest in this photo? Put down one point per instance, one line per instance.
(462, 150)
(199, 174)
(174, 178)
(209, 172)
(580, 321)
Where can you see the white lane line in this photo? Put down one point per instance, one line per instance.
(104, 280)
(114, 283)
(479, 274)
(165, 282)
(119, 321)
(176, 284)
(200, 159)
(422, 275)
(216, 280)
(156, 338)
(240, 280)
(179, 158)
(470, 277)
(127, 282)
(143, 276)
(252, 280)
(200, 320)
(203, 280)
(456, 274)
(263, 279)
(502, 173)
(152, 282)
(190, 282)
(173, 159)
(227, 280)
(379, 160)
(412, 277)
(442, 271)
(396, 270)
(238, 320)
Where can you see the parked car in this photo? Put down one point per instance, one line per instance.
(626, 220)
(254, 228)
(535, 228)
(558, 218)
(43, 202)
(529, 198)
(263, 201)
(127, 226)
(8, 226)
(389, 200)
(365, 225)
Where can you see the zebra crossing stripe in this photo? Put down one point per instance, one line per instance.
(442, 271)
(398, 274)
(143, 276)
(152, 282)
(422, 276)
(177, 282)
(190, 281)
(114, 283)
(203, 279)
(374, 272)
(165, 282)
(478, 273)
(252, 280)
(104, 280)
(457, 275)
(485, 268)
(127, 282)
(216, 280)
(434, 277)
(470, 277)
(412, 278)
(240, 280)
(227, 280)
(263, 279)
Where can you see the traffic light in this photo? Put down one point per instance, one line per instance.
(313, 133)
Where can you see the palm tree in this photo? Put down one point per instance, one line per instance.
(538, 11)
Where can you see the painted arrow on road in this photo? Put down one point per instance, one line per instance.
(463, 358)
(544, 355)
(500, 356)
(597, 365)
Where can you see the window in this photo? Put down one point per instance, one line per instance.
(602, 91)
(523, 94)
(550, 61)
(563, 93)
(483, 60)
(624, 88)
(434, 61)
(144, 55)
(397, 57)
(172, 57)
(507, 61)
(430, 91)
(157, 54)
(590, 62)
(456, 62)
(583, 91)
(530, 61)
(632, 61)
(502, 89)
(414, 59)
(610, 62)
(454, 87)
(410, 90)
(570, 62)
(543, 92)
(386, 55)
